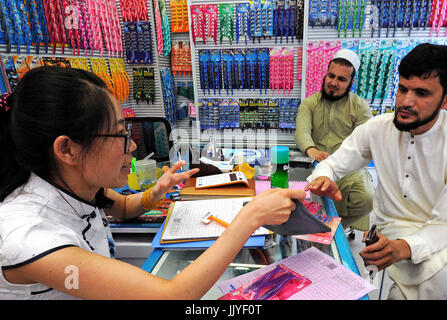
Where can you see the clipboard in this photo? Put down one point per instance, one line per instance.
(189, 227)
(300, 222)
(168, 217)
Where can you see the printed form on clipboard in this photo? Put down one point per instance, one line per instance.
(221, 179)
(183, 222)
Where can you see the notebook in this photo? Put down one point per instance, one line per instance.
(190, 192)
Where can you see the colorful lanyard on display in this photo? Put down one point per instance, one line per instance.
(82, 26)
(16, 20)
(6, 25)
(25, 25)
(43, 24)
(106, 26)
(299, 65)
(159, 30)
(165, 28)
(72, 22)
(442, 17)
(60, 33)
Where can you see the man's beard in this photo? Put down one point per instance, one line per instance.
(415, 124)
(330, 97)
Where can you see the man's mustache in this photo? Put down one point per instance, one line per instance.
(407, 109)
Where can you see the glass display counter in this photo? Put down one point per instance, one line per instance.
(168, 263)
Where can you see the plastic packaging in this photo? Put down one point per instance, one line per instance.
(277, 284)
(280, 167)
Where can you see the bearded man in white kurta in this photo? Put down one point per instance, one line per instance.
(409, 150)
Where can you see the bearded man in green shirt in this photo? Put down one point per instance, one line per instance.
(324, 120)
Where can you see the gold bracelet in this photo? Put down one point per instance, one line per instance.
(146, 200)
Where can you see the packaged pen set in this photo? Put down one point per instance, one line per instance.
(247, 113)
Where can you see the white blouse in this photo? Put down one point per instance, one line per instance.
(40, 218)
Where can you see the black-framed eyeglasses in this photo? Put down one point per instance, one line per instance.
(127, 137)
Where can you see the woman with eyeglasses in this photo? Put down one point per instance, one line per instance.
(64, 145)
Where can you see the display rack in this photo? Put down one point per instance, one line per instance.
(154, 108)
(86, 48)
(390, 27)
(385, 37)
(238, 136)
(377, 22)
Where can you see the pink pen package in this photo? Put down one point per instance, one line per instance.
(278, 284)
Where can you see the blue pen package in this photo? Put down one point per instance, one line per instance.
(242, 21)
(267, 18)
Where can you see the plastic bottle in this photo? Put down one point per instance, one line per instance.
(132, 179)
(279, 157)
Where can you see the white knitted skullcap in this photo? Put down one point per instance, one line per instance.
(349, 55)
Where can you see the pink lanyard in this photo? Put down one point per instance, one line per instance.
(134, 10)
(86, 19)
(81, 25)
(435, 12)
(104, 17)
(67, 3)
(94, 12)
(299, 65)
(442, 17)
(158, 26)
(119, 51)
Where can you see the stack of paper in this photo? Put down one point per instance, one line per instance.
(330, 279)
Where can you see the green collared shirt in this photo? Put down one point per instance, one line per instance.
(325, 124)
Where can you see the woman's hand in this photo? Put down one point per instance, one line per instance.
(272, 206)
(169, 179)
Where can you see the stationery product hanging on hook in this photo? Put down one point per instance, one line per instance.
(243, 22)
(166, 32)
(179, 16)
(226, 22)
(134, 10)
(204, 21)
(181, 58)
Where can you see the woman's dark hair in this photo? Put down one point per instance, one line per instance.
(424, 61)
(49, 102)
